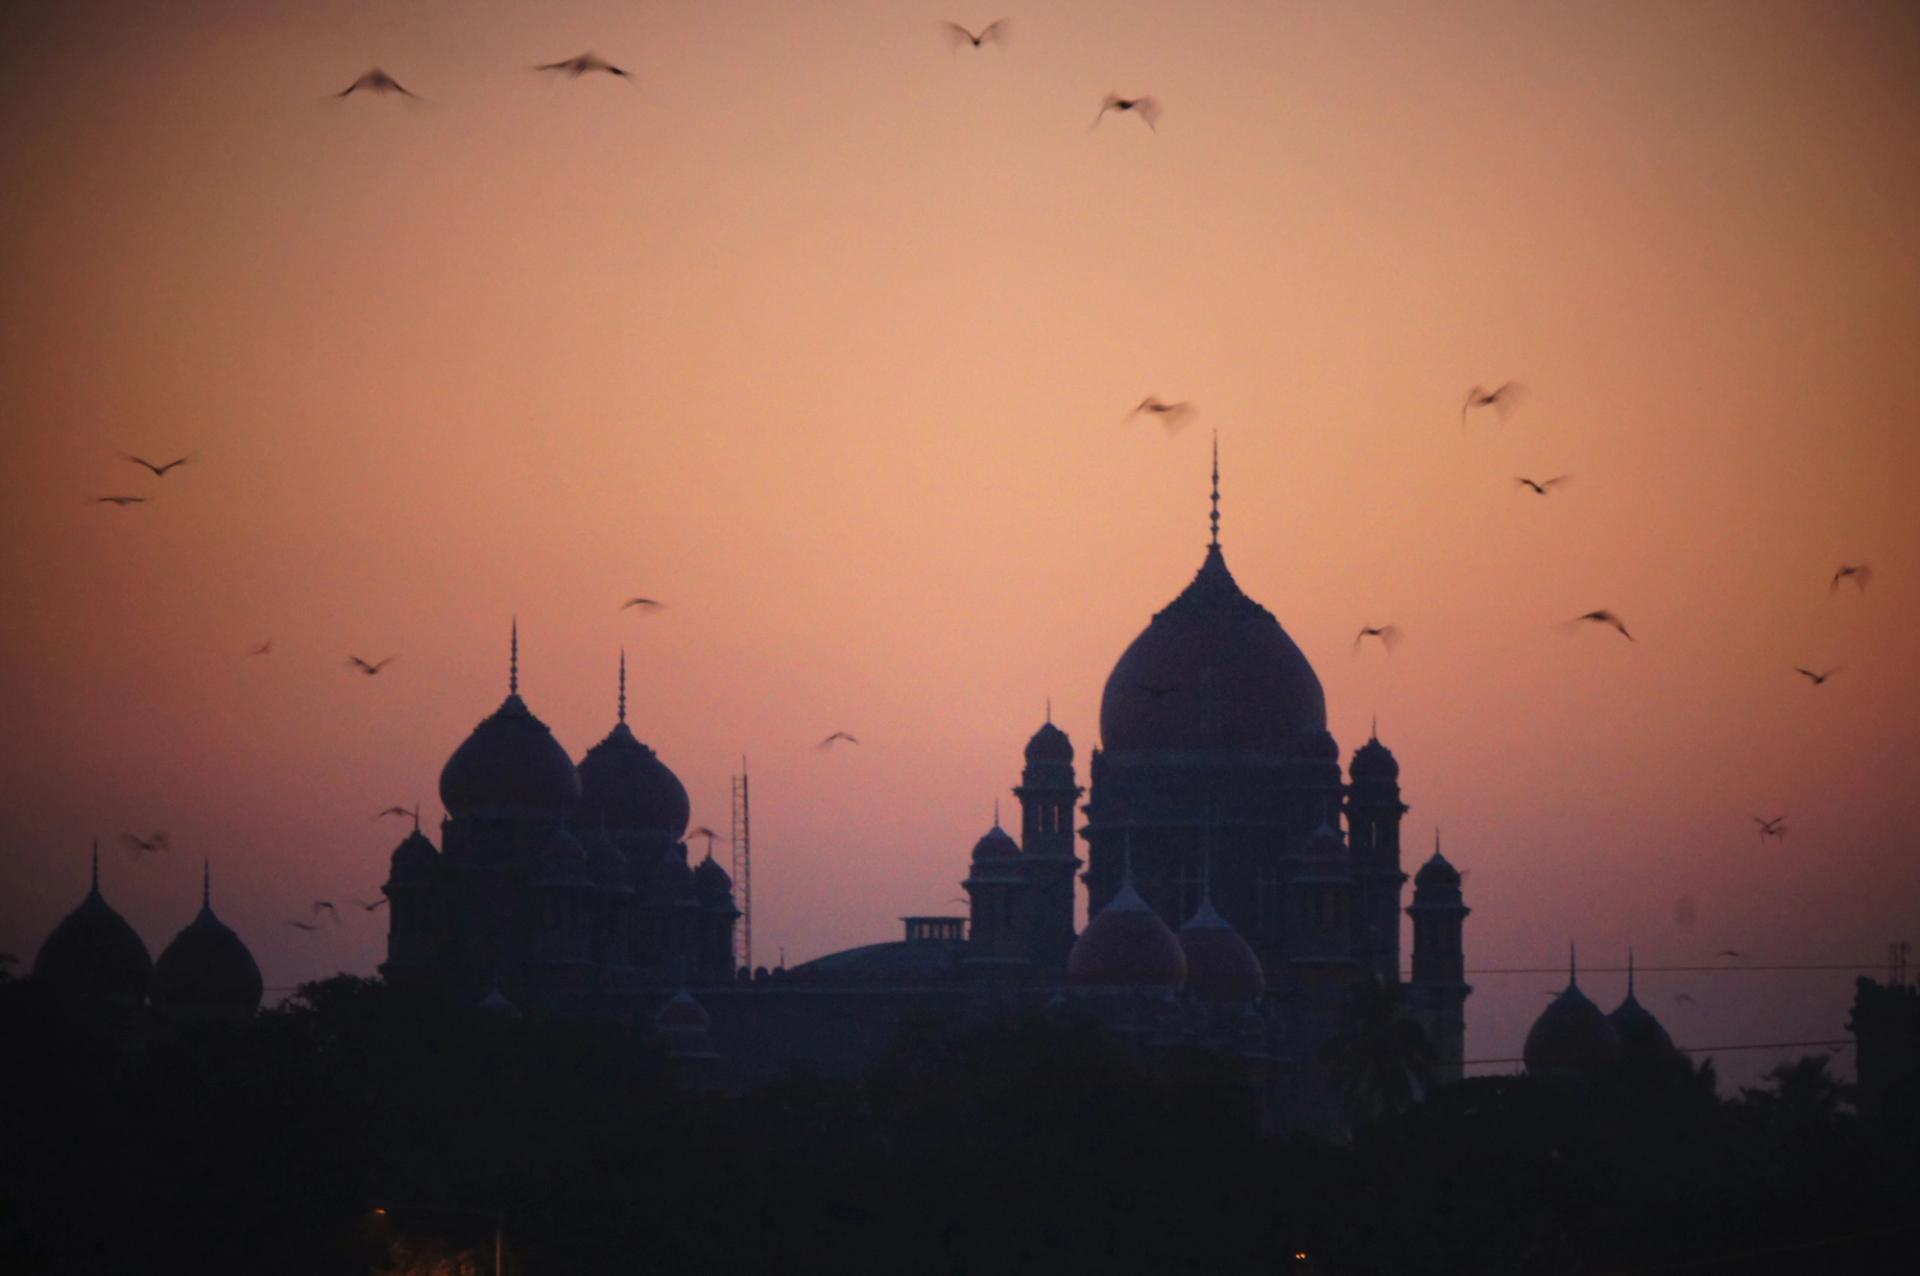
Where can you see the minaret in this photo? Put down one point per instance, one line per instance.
(1439, 990)
(1374, 812)
(1047, 794)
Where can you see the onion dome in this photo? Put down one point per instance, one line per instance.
(93, 955)
(1571, 1038)
(510, 761)
(1437, 874)
(1222, 968)
(1642, 1038)
(625, 786)
(1050, 744)
(1126, 945)
(1374, 761)
(415, 861)
(207, 972)
(995, 844)
(683, 1023)
(1214, 670)
(711, 884)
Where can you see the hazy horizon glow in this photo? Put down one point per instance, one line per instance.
(824, 335)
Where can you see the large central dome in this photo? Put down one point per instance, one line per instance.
(1213, 671)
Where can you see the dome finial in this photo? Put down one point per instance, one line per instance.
(1215, 542)
(623, 684)
(1049, 710)
(206, 884)
(513, 660)
(1573, 967)
(96, 866)
(1373, 729)
(996, 813)
(1629, 970)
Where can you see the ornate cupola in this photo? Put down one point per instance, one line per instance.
(206, 975)
(95, 966)
(1374, 812)
(510, 766)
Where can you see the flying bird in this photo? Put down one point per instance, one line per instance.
(1774, 828)
(355, 662)
(326, 906)
(1172, 415)
(1816, 678)
(1729, 952)
(151, 844)
(644, 604)
(838, 735)
(709, 834)
(378, 903)
(377, 81)
(159, 471)
(1542, 485)
(121, 501)
(576, 67)
(1502, 399)
(1685, 998)
(958, 35)
(1858, 573)
(1603, 617)
(1147, 109)
(413, 811)
(265, 648)
(1387, 634)
(309, 927)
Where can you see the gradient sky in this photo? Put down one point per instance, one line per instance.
(824, 334)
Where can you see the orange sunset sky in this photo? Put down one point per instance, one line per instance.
(825, 334)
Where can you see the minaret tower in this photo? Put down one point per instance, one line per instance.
(1374, 811)
(1048, 794)
(1439, 990)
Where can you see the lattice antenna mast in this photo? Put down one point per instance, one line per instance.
(742, 843)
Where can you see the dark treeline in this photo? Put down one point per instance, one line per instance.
(1030, 1145)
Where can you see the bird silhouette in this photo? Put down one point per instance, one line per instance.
(1502, 399)
(1387, 634)
(1172, 415)
(1684, 998)
(309, 927)
(1816, 678)
(149, 845)
(703, 831)
(1729, 952)
(1774, 828)
(1858, 573)
(369, 669)
(377, 81)
(121, 501)
(413, 811)
(326, 906)
(958, 35)
(1145, 107)
(1602, 617)
(265, 648)
(1543, 485)
(575, 67)
(644, 604)
(378, 903)
(838, 735)
(159, 471)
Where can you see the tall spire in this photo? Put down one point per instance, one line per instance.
(206, 884)
(1215, 542)
(996, 813)
(1573, 967)
(1629, 971)
(513, 660)
(1049, 710)
(623, 684)
(96, 866)
(1373, 731)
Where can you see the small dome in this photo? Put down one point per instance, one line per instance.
(93, 955)
(1126, 945)
(1214, 670)
(1373, 760)
(415, 862)
(510, 760)
(1050, 744)
(1571, 1038)
(711, 884)
(995, 844)
(1222, 968)
(625, 786)
(1437, 873)
(207, 971)
(1642, 1038)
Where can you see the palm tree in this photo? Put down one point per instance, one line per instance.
(1381, 1061)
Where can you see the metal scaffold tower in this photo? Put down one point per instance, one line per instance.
(743, 868)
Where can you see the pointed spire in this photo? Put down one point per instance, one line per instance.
(513, 660)
(1573, 967)
(1436, 840)
(1629, 971)
(1215, 542)
(1373, 730)
(996, 813)
(96, 866)
(206, 884)
(623, 684)
(1049, 710)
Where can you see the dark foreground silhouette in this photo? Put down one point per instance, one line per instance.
(356, 1131)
